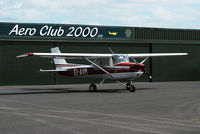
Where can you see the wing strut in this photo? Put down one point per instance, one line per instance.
(121, 83)
(99, 67)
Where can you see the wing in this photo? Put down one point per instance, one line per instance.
(155, 55)
(96, 56)
(67, 55)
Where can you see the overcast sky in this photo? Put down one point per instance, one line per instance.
(142, 13)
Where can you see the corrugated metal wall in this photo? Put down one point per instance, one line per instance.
(25, 71)
(183, 68)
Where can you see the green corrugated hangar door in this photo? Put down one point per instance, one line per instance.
(25, 71)
(181, 68)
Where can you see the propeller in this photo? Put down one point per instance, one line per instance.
(135, 61)
(144, 70)
(147, 74)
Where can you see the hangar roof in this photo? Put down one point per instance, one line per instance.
(95, 33)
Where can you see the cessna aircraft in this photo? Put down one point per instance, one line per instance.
(119, 68)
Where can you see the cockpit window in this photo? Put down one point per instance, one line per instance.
(120, 58)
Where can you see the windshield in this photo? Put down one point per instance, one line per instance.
(120, 58)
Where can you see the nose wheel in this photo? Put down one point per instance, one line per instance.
(130, 87)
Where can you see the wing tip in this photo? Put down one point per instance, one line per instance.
(183, 54)
(25, 55)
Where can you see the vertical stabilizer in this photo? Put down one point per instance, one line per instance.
(58, 61)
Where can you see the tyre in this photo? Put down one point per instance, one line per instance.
(132, 88)
(92, 88)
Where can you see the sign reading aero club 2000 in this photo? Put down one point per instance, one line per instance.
(65, 31)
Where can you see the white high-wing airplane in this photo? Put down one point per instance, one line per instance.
(119, 68)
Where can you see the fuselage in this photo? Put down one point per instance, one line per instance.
(124, 70)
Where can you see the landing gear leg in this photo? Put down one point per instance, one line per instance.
(130, 86)
(93, 87)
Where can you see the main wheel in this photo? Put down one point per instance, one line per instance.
(92, 88)
(132, 88)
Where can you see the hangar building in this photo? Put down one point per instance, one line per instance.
(20, 38)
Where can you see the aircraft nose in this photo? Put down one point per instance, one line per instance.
(139, 73)
(142, 67)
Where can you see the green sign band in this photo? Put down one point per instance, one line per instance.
(65, 31)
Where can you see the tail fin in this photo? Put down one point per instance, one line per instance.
(58, 61)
